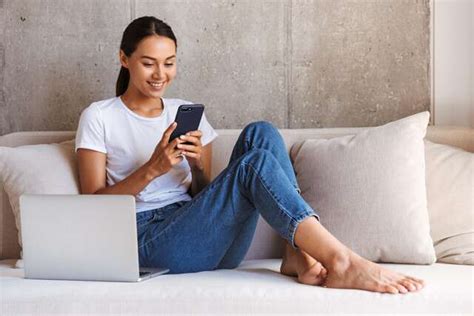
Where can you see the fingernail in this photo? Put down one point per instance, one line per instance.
(182, 136)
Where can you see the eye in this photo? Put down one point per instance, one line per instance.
(147, 65)
(169, 65)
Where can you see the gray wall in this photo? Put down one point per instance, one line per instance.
(298, 64)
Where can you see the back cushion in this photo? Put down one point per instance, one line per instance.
(266, 243)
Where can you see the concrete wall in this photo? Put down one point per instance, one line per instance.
(319, 63)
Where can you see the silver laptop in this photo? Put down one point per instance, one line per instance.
(81, 237)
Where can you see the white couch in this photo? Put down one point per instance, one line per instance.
(254, 287)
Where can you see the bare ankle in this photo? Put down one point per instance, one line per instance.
(341, 261)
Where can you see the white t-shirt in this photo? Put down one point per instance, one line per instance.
(128, 139)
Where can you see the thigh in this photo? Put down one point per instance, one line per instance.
(197, 235)
(154, 217)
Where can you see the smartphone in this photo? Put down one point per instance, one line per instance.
(188, 119)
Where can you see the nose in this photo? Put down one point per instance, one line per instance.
(159, 73)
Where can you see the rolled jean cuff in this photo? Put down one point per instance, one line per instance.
(294, 224)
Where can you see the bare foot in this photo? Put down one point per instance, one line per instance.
(355, 272)
(299, 264)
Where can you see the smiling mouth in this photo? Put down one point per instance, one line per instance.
(156, 84)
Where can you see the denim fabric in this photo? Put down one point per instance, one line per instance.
(214, 230)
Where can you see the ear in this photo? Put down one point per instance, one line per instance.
(123, 59)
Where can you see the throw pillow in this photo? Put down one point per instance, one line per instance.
(450, 189)
(369, 189)
(38, 169)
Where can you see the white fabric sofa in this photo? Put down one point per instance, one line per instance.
(254, 287)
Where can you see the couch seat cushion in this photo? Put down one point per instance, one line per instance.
(254, 287)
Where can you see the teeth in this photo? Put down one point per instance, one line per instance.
(155, 84)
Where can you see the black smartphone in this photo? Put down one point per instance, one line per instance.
(188, 119)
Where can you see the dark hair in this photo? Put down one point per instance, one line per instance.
(136, 31)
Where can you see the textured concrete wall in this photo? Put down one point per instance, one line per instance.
(319, 63)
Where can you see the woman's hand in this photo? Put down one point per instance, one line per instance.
(166, 154)
(193, 150)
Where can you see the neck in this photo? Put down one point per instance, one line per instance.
(139, 102)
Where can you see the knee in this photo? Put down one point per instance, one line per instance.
(260, 127)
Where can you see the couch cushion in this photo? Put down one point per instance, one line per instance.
(263, 245)
(37, 169)
(255, 286)
(369, 189)
(450, 189)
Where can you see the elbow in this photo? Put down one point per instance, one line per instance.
(92, 190)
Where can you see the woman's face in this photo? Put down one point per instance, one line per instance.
(152, 66)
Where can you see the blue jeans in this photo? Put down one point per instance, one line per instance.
(214, 230)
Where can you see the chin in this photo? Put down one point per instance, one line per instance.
(155, 95)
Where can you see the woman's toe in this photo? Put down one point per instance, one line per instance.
(318, 267)
(319, 280)
(324, 272)
(391, 289)
(409, 285)
(401, 288)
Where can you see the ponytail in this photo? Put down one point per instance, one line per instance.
(122, 81)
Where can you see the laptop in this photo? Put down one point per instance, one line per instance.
(81, 237)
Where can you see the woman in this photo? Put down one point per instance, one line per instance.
(185, 222)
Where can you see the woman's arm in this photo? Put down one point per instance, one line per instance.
(92, 175)
(202, 177)
(92, 172)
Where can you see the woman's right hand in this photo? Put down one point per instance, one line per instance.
(166, 154)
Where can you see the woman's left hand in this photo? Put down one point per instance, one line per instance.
(192, 151)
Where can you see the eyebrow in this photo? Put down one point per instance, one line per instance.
(155, 58)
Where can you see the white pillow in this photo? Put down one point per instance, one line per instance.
(38, 169)
(450, 189)
(369, 189)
